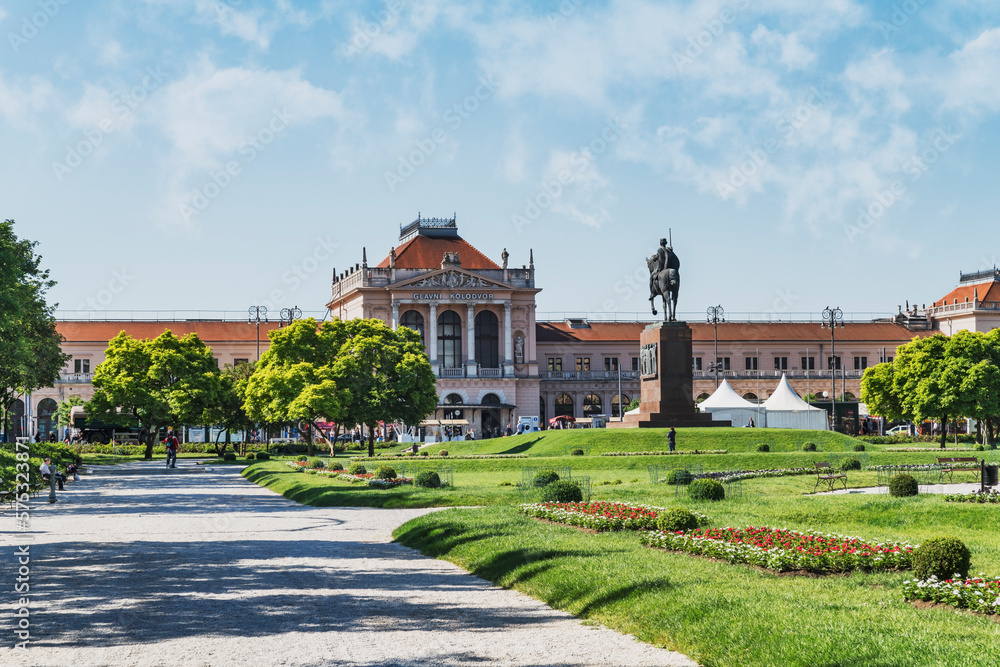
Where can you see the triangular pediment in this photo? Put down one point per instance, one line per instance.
(451, 279)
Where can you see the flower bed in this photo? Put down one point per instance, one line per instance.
(433, 457)
(930, 449)
(784, 550)
(668, 453)
(980, 593)
(734, 475)
(920, 466)
(600, 515)
(974, 497)
(374, 482)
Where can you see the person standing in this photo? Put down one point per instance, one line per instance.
(672, 439)
(172, 445)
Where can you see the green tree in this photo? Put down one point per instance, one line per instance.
(298, 378)
(159, 382)
(388, 375)
(878, 391)
(64, 409)
(228, 412)
(924, 382)
(30, 352)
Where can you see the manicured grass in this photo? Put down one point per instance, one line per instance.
(722, 614)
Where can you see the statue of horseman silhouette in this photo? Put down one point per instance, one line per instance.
(664, 279)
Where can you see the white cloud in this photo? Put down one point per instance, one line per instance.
(22, 100)
(514, 160)
(585, 196)
(789, 49)
(969, 80)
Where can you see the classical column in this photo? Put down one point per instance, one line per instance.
(508, 342)
(470, 332)
(432, 338)
(395, 314)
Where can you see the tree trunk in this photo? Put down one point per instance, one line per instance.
(309, 440)
(371, 441)
(154, 431)
(944, 431)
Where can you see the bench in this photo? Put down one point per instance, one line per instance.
(949, 468)
(827, 475)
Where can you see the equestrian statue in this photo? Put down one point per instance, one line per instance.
(664, 279)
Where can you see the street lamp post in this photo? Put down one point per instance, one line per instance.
(258, 314)
(289, 315)
(831, 318)
(715, 315)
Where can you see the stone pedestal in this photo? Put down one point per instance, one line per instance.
(666, 371)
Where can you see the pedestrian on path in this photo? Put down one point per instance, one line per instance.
(672, 439)
(172, 445)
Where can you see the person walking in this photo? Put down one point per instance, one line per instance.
(172, 445)
(672, 439)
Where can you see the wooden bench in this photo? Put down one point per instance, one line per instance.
(827, 475)
(949, 468)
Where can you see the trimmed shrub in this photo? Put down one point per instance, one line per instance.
(706, 489)
(428, 479)
(850, 463)
(576, 452)
(859, 447)
(317, 463)
(250, 456)
(809, 447)
(385, 472)
(357, 469)
(675, 519)
(336, 466)
(763, 447)
(302, 457)
(263, 456)
(545, 477)
(562, 491)
(443, 452)
(229, 456)
(423, 452)
(678, 476)
(942, 557)
(902, 486)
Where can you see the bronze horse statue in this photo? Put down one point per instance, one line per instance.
(664, 280)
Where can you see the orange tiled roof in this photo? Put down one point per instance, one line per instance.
(557, 332)
(987, 292)
(209, 332)
(426, 252)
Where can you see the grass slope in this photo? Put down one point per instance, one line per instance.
(722, 614)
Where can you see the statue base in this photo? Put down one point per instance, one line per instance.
(666, 386)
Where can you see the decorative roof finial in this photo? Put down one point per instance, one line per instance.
(531, 258)
(364, 258)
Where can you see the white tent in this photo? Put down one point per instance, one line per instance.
(726, 405)
(786, 409)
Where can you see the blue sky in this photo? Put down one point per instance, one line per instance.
(212, 155)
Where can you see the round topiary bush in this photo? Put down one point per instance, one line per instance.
(317, 463)
(678, 476)
(385, 472)
(850, 463)
(675, 519)
(428, 479)
(250, 456)
(443, 452)
(859, 447)
(336, 466)
(942, 557)
(809, 447)
(263, 456)
(424, 453)
(763, 447)
(576, 452)
(562, 491)
(545, 477)
(302, 457)
(229, 456)
(357, 469)
(706, 489)
(902, 486)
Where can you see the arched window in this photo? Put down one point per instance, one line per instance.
(492, 424)
(564, 406)
(617, 401)
(491, 399)
(750, 396)
(450, 339)
(16, 417)
(848, 397)
(413, 320)
(487, 340)
(592, 405)
(453, 399)
(47, 409)
(701, 397)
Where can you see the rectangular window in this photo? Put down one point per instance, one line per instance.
(240, 362)
(860, 363)
(722, 363)
(751, 363)
(611, 364)
(833, 363)
(888, 360)
(583, 363)
(781, 363)
(808, 363)
(635, 363)
(555, 364)
(697, 363)
(81, 365)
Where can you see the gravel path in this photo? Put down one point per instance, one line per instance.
(185, 568)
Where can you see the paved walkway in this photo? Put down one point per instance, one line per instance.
(171, 568)
(924, 488)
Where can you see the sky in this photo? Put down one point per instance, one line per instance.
(199, 155)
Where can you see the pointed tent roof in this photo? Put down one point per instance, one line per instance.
(726, 397)
(785, 398)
